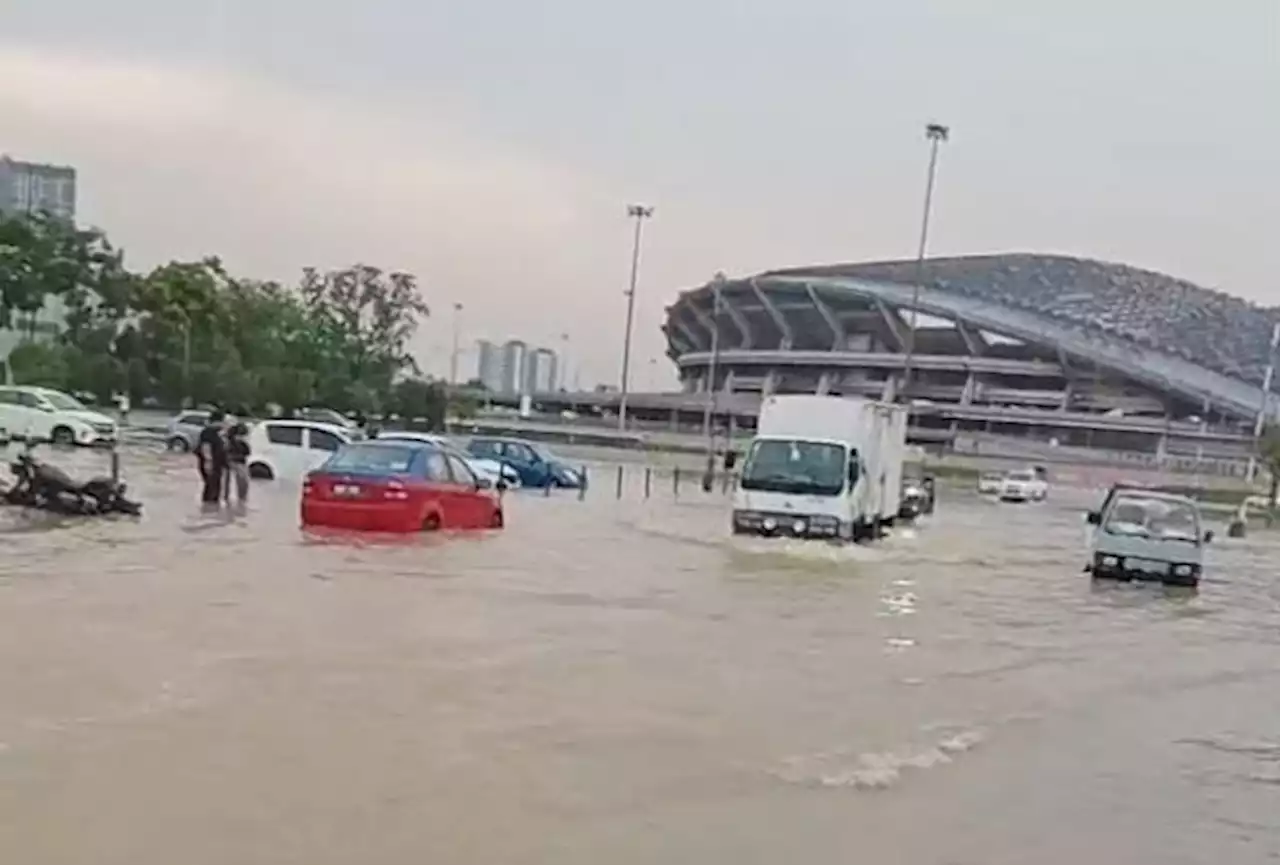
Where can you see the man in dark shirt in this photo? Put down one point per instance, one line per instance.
(211, 457)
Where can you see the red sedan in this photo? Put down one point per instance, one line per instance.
(398, 487)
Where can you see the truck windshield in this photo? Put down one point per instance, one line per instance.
(1153, 518)
(797, 467)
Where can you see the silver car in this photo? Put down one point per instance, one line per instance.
(183, 430)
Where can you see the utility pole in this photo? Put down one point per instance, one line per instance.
(936, 134)
(708, 419)
(639, 213)
(453, 357)
(1265, 408)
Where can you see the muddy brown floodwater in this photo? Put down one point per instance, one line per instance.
(617, 683)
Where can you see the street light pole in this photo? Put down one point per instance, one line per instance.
(1264, 409)
(708, 418)
(564, 362)
(936, 134)
(453, 356)
(639, 213)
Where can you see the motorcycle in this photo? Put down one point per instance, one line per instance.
(48, 488)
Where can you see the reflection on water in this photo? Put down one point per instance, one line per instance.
(623, 683)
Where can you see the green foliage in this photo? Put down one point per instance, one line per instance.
(190, 332)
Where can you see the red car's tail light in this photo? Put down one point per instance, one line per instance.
(395, 491)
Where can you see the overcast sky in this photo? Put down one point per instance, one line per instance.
(491, 146)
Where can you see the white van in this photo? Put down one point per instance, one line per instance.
(42, 414)
(288, 449)
(822, 467)
(1146, 534)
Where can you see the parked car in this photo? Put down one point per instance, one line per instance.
(398, 486)
(989, 483)
(536, 466)
(492, 470)
(1146, 534)
(330, 416)
(42, 414)
(288, 449)
(184, 429)
(1024, 485)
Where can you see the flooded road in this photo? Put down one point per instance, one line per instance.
(618, 682)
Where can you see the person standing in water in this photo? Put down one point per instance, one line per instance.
(211, 458)
(238, 462)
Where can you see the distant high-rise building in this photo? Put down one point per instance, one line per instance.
(31, 187)
(515, 362)
(540, 374)
(489, 365)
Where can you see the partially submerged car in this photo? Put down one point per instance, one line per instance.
(1024, 485)
(989, 483)
(919, 497)
(398, 486)
(1145, 534)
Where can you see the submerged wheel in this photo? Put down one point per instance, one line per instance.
(431, 523)
(261, 472)
(63, 435)
(179, 444)
(497, 521)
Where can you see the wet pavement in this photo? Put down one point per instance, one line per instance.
(618, 682)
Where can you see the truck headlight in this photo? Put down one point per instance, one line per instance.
(799, 527)
(1182, 570)
(1109, 561)
(770, 524)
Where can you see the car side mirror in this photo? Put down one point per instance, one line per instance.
(1093, 518)
(1208, 537)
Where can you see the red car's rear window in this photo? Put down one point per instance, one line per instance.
(374, 459)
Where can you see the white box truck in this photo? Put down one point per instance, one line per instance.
(822, 467)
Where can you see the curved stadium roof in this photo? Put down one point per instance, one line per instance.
(1154, 311)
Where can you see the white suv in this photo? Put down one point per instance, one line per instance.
(41, 414)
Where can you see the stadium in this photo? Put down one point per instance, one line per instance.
(1068, 350)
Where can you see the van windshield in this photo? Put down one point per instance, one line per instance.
(1153, 518)
(796, 467)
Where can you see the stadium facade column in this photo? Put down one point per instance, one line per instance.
(784, 327)
(838, 337)
(970, 382)
(824, 383)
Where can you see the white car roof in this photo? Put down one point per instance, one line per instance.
(411, 435)
(308, 424)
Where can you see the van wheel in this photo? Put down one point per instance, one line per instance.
(63, 435)
(431, 523)
(179, 444)
(261, 472)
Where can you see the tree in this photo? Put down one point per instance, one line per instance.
(192, 331)
(43, 257)
(40, 364)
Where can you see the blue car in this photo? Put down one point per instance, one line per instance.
(536, 466)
